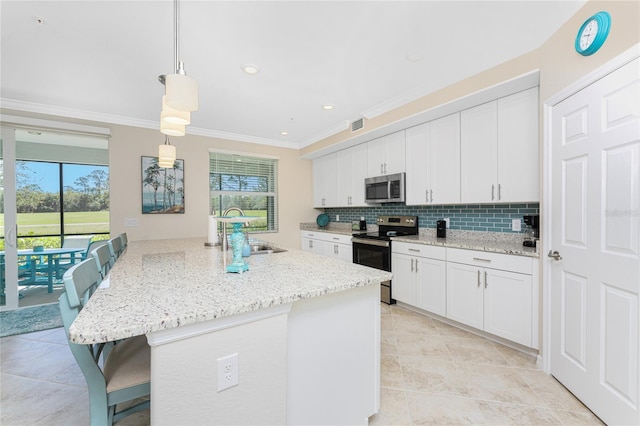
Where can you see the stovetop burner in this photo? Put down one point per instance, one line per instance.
(392, 226)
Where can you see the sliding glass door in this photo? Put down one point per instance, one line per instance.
(8, 226)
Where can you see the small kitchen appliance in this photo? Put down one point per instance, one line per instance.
(373, 249)
(531, 231)
(441, 229)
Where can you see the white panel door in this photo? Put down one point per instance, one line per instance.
(595, 228)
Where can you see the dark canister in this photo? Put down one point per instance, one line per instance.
(441, 229)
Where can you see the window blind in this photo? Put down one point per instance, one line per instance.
(249, 183)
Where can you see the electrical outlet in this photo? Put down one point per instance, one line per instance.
(446, 219)
(228, 372)
(337, 218)
(516, 225)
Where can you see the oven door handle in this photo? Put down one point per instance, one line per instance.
(378, 243)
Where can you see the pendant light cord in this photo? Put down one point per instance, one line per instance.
(176, 46)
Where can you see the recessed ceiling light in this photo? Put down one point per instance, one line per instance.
(250, 69)
(284, 133)
(327, 107)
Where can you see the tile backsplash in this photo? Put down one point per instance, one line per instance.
(466, 217)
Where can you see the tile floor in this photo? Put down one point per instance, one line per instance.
(432, 374)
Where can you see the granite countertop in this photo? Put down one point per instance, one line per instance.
(505, 243)
(472, 243)
(162, 284)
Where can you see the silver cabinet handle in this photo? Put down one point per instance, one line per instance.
(499, 192)
(493, 192)
(310, 243)
(335, 249)
(411, 265)
(385, 168)
(486, 283)
(426, 195)
(414, 250)
(479, 284)
(381, 168)
(479, 259)
(431, 192)
(416, 265)
(554, 254)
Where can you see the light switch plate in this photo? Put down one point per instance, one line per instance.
(130, 221)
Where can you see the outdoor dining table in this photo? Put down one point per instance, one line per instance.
(48, 258)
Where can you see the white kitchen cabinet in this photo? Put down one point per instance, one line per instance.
(351, 172)
(492, 292)
(433, 162)
(419, 276)
(386, 155)
(327, 244)
(518, 146)
(325, 181)
(499, 150)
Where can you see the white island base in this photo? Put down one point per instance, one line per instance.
(313, 361)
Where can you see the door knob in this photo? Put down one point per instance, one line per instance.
(554, 254)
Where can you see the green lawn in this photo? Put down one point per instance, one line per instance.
(49, 223)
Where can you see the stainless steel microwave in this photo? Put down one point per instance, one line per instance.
(384, 189)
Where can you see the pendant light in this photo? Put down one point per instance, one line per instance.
(166, 154)
(181, 91)
(174, 116)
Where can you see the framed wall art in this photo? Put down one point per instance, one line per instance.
(162, 188)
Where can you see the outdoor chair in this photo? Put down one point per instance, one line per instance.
(65, 261)
(125, 374)
(125, 240)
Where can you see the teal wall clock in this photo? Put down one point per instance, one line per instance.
(593, 33)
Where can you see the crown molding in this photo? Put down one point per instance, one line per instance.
(395, 102)
(339, 127)
(12, 104)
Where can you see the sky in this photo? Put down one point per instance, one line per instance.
(46, 174)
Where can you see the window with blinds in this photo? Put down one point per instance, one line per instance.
(250, 183)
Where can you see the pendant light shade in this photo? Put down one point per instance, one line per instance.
(171, 129)
(166, 155)
(174, 116)
(181, 92)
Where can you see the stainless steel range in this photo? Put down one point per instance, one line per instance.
(374, 249)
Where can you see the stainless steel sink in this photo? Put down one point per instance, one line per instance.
(265, 249)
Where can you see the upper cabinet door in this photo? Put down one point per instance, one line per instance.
(444, 160)
(518, 147)
(478, 154)
(325, 181)
(352, 170)
(385, 155)
(417, 154)
(433, 162)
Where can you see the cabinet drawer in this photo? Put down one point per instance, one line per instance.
(507, 262)
(326, 236)
(419, 250)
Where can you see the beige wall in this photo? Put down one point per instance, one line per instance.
(558, 62)
(128, 144)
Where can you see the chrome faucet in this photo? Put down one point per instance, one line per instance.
(233, 209)
(224, 225)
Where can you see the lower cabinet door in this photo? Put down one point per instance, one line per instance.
(507, 305)
(464, 294)
(431, 288)
(403, 284)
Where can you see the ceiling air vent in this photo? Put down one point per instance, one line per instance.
(357, 125)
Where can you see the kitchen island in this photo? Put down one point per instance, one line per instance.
(305, 328)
